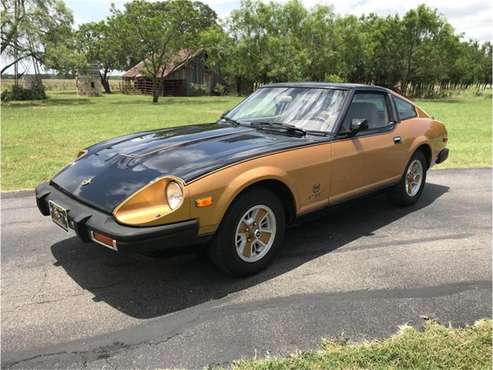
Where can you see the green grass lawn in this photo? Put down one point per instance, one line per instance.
(436, 347)
(468, 121)
(38, 138)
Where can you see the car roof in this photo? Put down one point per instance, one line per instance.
(329, 85)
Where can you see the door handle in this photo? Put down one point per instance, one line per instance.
(397, 140)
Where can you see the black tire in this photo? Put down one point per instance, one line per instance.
(223, 251)
(398, 194)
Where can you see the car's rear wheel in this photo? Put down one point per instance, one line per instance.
(410, 188)
(250, 234)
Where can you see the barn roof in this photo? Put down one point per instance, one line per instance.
(177, 61)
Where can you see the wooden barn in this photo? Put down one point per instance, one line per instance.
(187, 75)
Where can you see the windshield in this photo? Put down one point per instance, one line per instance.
(310, 109)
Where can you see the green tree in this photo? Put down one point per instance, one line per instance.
(100, 43)
(41, 30)
(156, 32)
(221, 52)
(247, 32)
(352, 59)
(418, 53)
(269, 41)
(485, 77)
(320, 44)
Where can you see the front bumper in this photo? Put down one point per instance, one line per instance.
(85, 220)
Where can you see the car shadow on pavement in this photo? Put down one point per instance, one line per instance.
(144, 287)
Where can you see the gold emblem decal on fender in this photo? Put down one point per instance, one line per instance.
(315, 192)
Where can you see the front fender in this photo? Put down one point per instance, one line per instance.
(252, 176)
(224, 186)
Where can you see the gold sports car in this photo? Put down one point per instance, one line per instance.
(233, 185)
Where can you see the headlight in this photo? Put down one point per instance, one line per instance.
(174, 193)
(162, 201)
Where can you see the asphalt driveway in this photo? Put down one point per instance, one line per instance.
(357, 271)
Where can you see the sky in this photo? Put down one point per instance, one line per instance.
(473, 18)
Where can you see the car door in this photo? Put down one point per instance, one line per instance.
(371, 158)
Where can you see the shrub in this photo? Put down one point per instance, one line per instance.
(199, 89)
(6, 96)
(37, 92)
(334, 78)
(219, 89)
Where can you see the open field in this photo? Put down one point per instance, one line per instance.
(436, 347)
(38, 138)
(468, 121)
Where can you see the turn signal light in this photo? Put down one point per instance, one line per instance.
(203, 202)
(104, 240)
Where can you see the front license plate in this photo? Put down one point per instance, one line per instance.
(59, 215)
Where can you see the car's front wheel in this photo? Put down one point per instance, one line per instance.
(250, 234)
(410, 188)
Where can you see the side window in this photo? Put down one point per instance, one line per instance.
(405, 109)
(372, 107)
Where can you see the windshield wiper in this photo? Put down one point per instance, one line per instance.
(280, 125)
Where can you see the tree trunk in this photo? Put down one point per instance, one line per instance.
(238, 86)
(105, 81)
(155, 90)
(106, 86)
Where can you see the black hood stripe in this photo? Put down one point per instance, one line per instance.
(118, 168)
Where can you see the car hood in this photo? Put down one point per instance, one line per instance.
(114, 169)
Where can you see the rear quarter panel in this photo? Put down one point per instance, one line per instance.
(422, 130)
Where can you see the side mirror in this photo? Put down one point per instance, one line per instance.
(358, 124)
